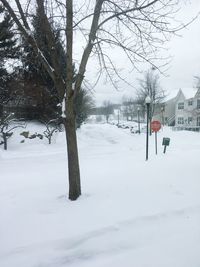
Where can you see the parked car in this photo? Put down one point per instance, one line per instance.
(143, 129)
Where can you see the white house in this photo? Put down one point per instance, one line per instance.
(181, 110)
(165, 112)
(187, 109)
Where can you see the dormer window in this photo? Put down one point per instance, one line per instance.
(181, 105)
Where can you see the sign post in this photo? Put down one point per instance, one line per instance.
(155, 127)
(147, 102)
(156, 143)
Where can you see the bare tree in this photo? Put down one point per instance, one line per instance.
(107, 109)
(7, 124)
(52, 126)
(138, 27)
(150, 86)
(129, 108)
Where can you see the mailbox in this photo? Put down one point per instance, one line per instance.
(166, 141)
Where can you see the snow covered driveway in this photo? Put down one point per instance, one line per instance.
(132, 213)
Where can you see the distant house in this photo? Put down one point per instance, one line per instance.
(187, 112)
(182, 110)
(165, 112)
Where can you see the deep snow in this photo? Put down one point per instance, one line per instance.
(131, 213)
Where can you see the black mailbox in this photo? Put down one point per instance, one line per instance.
(166, 141)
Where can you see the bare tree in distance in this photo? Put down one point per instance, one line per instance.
(139, 28)
(150, 86)
(107, 109)
(128, 107)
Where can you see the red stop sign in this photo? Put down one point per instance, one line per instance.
(155, 126)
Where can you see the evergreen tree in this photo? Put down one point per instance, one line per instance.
(34, 71)
(8, 50)
(8, 47)
(83, 105)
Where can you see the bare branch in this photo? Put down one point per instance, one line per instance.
(88, 49)
(22, 15)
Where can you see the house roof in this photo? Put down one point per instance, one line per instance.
(171, 95)
(187, 92)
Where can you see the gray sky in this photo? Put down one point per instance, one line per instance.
(185, 63)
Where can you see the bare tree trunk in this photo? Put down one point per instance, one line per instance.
(72, 151)
(5, 141)
(70, 127)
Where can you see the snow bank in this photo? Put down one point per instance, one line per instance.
(131, 212)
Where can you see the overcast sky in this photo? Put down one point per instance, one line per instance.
(185, 63)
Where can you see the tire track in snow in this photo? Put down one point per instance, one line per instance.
(132, 223)
(84, 248)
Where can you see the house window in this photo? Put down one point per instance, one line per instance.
(198, 121)
(198, 103)
(189, 120)
(180, 120)
(190, 102)
(181, 105)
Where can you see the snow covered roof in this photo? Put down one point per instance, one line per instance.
(189, 92)
(172, 94)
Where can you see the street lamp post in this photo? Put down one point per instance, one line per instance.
(118, 117)
(162, 112)
(138, 113)
(147, 102)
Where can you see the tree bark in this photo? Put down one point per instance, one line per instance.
(72, 152)
(5, 141)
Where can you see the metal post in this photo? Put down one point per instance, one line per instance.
(118, 118)
(138, 120)
(147, 101)
(147, 134)
(162, 112)
(156, 142)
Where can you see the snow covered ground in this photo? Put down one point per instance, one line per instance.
(132, 213)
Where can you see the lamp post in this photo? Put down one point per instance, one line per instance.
(138, 113)
(118, 117)
(147, 102)
(162, 112)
